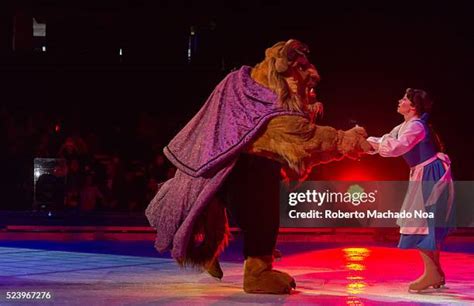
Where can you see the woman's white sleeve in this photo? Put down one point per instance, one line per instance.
(407, 139)
(375, 141)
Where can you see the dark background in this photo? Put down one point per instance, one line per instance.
(367, 53)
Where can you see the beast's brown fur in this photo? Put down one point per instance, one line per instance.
(274, 71)
(210, 236)
(301, 145)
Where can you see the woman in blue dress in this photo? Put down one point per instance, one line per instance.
(431, 188)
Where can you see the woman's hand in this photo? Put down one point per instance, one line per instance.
(374, 143)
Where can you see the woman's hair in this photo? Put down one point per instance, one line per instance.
(423, 104)
(420, 100)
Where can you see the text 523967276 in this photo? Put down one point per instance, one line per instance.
(28, 295)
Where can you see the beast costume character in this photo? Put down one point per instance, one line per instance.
(229, 156)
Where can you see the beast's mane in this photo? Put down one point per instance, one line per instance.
(266, 74)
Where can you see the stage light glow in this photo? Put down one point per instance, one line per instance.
(354, 301)
(356, 174)
(356, 287)
(355, 278)
(356, 254)
(355, 264)
(355, 267)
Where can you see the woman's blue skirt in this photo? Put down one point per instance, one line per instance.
(440, 225)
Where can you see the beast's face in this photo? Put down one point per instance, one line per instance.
(287, 71)
(307, 76)
(294, 63)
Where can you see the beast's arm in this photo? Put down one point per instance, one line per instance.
(296, 142)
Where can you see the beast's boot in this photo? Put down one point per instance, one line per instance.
(214, 269)
(259, 277)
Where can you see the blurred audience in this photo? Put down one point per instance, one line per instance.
(101, 174)
(89, 195)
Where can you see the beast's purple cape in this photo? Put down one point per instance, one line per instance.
(205, 151)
